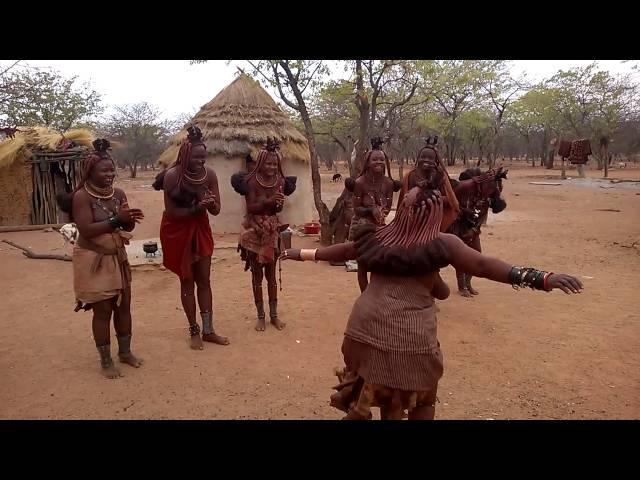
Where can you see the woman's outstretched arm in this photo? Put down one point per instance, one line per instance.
(340, 252)
(468, 260)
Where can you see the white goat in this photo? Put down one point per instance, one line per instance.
(69, 232)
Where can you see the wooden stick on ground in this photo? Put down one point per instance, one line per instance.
(27, 228)
(29, 253)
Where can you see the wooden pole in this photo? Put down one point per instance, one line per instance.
(36, 196)
(52, 199)
(48, 155)
(27, 228)
(45, 198)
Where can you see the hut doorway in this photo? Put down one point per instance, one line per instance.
(53, 173)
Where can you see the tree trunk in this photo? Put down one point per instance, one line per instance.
(133, 168)
(350, 160)
(362, 102)
(604, 153)
(326, 232)
(544, 148)
(550, 158)
(599, 160)
(334, 163)
(451, 152)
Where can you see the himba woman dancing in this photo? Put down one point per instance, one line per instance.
(190, 193)
(101, 271)
(391, 350)
(264, 188)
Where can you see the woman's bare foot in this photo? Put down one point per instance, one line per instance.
(214, 338)
(130, 359)
(111, 372)
(464, 292)
(472, 290)
(276, 322)
(196, 342)
(260, 324)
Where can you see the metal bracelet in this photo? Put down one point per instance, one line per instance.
(527, 277)
(115, 222)
(308, 254)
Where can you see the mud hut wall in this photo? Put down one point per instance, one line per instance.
(232, 204)
(16, 190)
(298, 207)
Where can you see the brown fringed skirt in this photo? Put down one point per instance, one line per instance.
(368, 372)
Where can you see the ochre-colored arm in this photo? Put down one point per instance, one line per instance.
(340, 252)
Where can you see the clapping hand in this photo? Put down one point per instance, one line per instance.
(208, 200)
(130, 215)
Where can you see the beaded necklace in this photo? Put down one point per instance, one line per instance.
(195, 181)
(105, 193)
(275, 181)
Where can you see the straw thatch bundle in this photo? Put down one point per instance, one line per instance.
(29, 139)
(238, 121)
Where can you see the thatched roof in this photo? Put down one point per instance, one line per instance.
(30, 139)
(239, 120)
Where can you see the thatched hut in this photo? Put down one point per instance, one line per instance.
(34, 166)
(236, 123)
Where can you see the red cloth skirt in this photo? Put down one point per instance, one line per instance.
(184, 242)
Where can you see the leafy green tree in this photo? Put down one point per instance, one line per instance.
(46, 98)
(140, 134)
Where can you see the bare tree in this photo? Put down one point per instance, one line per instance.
(374, 81)
(501, 89)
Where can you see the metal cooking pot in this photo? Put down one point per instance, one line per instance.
(150, 247)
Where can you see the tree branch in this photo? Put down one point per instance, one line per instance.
(311, 77)
(9, 68)
(260, 72)
(277, 80)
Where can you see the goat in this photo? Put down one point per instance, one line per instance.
(70, 233)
